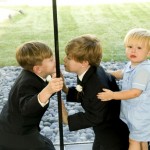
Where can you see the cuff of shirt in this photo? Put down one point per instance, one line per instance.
(42, 104)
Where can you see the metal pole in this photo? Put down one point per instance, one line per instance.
(54, 4)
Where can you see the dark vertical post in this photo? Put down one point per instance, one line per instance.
(54, 4)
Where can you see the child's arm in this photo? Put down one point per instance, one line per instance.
(118, 74)
(53, 86)
(64, 114)
(125, 95)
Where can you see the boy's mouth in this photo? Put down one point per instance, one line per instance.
(132, 56)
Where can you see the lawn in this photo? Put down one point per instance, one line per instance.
(109, 22)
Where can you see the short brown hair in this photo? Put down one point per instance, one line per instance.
(32, 53)
(85, 48)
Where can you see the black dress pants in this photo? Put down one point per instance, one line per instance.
(111, 137)
(33, 141)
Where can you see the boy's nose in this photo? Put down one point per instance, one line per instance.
(133, 50)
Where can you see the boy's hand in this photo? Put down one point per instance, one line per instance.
(55, 85)
(107, 95)
(64, 114)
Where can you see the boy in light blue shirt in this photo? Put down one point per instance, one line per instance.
(135, 104)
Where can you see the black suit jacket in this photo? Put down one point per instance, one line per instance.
(21, 115)
(102, 116)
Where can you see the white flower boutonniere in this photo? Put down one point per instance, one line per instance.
(48, 78)
(79, 88)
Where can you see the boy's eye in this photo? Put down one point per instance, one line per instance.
(139, 48)
(129, 46)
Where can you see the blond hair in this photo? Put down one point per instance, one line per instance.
(138, 35)
(85, 48)
(32, 53)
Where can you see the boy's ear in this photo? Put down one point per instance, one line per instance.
(36, 69)
(85, 63)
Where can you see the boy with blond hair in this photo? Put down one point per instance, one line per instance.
(135, 94)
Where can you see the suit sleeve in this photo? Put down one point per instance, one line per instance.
(28, 99)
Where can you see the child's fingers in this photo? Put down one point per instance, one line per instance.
(106, 90)
(104, 96)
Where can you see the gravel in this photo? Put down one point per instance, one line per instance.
(49, 123)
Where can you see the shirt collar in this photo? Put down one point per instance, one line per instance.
(82, 75)
(130, 68)
(42, 78)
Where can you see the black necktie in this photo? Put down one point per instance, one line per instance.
(79, 81)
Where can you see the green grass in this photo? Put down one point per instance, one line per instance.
(109, 22)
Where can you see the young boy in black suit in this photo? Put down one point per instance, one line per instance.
(83, 57)
(29, 99)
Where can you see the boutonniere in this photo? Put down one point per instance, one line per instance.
(79, 88)
(48, 78)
